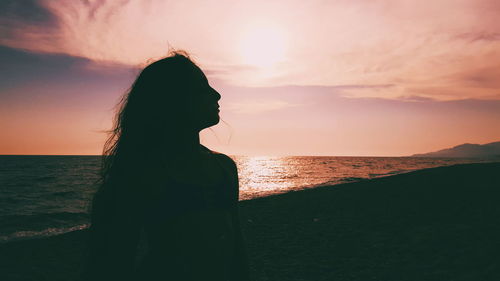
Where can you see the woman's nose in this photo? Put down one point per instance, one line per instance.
(217, 95)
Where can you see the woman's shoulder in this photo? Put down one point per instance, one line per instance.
(225, 160)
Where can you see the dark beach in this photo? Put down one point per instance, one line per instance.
(433, 224)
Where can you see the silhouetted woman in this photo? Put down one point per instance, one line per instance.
(156, 176)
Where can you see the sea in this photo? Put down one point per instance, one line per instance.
(43, 195)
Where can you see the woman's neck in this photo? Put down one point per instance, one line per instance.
(185, 146)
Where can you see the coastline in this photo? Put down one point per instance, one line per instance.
(431, 224)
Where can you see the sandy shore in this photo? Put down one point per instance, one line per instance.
(433, 224)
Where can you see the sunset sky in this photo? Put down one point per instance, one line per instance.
(339, 78)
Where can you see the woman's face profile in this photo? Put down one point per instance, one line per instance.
(203, 108)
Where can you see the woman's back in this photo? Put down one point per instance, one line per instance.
(189, 231)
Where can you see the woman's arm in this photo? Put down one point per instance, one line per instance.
(240, 270)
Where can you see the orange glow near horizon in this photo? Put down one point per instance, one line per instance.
(346, 78)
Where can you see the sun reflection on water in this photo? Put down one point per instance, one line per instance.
(265, 175)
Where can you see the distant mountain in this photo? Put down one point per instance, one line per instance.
(467, 150)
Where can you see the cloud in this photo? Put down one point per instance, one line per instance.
(26, 11)
(481, 77)
(432, 49)
(415, 98)
(254, 107)
(480, 36)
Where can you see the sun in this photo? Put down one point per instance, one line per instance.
(263, 46)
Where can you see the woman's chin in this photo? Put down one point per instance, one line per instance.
(216, 120)
(212, 122)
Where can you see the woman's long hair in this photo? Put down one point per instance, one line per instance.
(135, 152)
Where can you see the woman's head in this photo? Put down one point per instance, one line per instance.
(172, 93)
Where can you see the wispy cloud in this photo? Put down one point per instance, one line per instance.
(432, 49)
(479, 36)
(254, 107)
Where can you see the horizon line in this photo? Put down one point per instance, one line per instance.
(269, 155)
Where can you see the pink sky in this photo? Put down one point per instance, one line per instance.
(297, 77)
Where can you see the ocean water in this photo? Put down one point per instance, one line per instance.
(49, 195)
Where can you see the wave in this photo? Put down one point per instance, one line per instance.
(391, 173)
(45, 178)
(31, 234)
(40, 221)
(64, 193)
(352, 179)
(335, 182)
